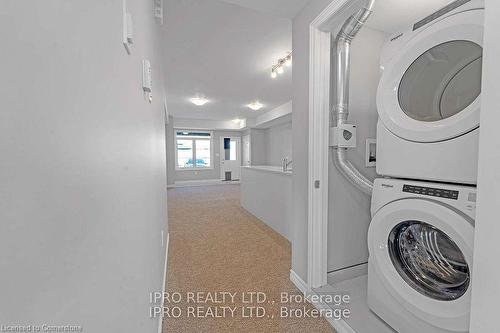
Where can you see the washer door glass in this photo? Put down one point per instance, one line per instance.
(443, 81)
(428, 260)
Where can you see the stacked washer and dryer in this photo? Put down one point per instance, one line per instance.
(420, 239)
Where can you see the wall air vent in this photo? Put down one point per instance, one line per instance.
(439, 13)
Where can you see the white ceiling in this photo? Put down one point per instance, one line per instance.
(281, 8)
(224, 52)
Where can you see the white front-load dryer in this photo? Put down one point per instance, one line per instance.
(428, 97)
(420, 243)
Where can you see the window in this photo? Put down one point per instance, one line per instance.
(194, 149)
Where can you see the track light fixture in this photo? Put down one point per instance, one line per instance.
(279, 68)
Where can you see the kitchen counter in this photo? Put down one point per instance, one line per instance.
(269, 168)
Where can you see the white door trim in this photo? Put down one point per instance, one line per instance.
(319, 107)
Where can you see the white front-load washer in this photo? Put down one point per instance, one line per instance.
(420, 243)
(428, 97)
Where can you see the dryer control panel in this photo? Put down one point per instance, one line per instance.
(431, 191)
(448, 8)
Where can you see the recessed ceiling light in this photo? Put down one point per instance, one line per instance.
(255, 106)
(199, 101)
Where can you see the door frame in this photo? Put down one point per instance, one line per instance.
(319, 95)
(221, 152)
(319, 122)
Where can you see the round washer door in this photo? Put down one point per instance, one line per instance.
(430, 91)
(422, 251)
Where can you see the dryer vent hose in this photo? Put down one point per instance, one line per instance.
(342, 59)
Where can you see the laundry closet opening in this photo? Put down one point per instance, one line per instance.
(413, 88)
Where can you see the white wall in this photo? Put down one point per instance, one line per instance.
(275, 114)
(278, 141)
(268, 146)
(349, 209)
(485, 285)
(246, 153)
(258, 146)
(300, 126)
(205, 124)
(82, 166)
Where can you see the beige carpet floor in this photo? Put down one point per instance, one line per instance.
(216, 246)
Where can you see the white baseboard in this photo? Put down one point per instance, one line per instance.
(340, 326)
(202, 182)
(164, 285)
(298, 282)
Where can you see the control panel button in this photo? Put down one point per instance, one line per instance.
(430, 191)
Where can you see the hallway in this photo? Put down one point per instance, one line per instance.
(216, 246)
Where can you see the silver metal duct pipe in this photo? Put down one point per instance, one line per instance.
(341, 108)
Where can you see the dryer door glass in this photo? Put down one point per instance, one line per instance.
(442, 82)
(428, 260)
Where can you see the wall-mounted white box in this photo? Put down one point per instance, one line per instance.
(343, 136)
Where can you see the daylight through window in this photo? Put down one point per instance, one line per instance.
(194, 149)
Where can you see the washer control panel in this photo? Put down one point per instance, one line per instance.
(431, 191)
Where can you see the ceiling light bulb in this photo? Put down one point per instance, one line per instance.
(236, 121)
(255, 106)
(280, 70)
(199, 101)
(273, 74)
(288, 61)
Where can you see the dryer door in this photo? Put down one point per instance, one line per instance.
(430, 91)
(423, 252)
